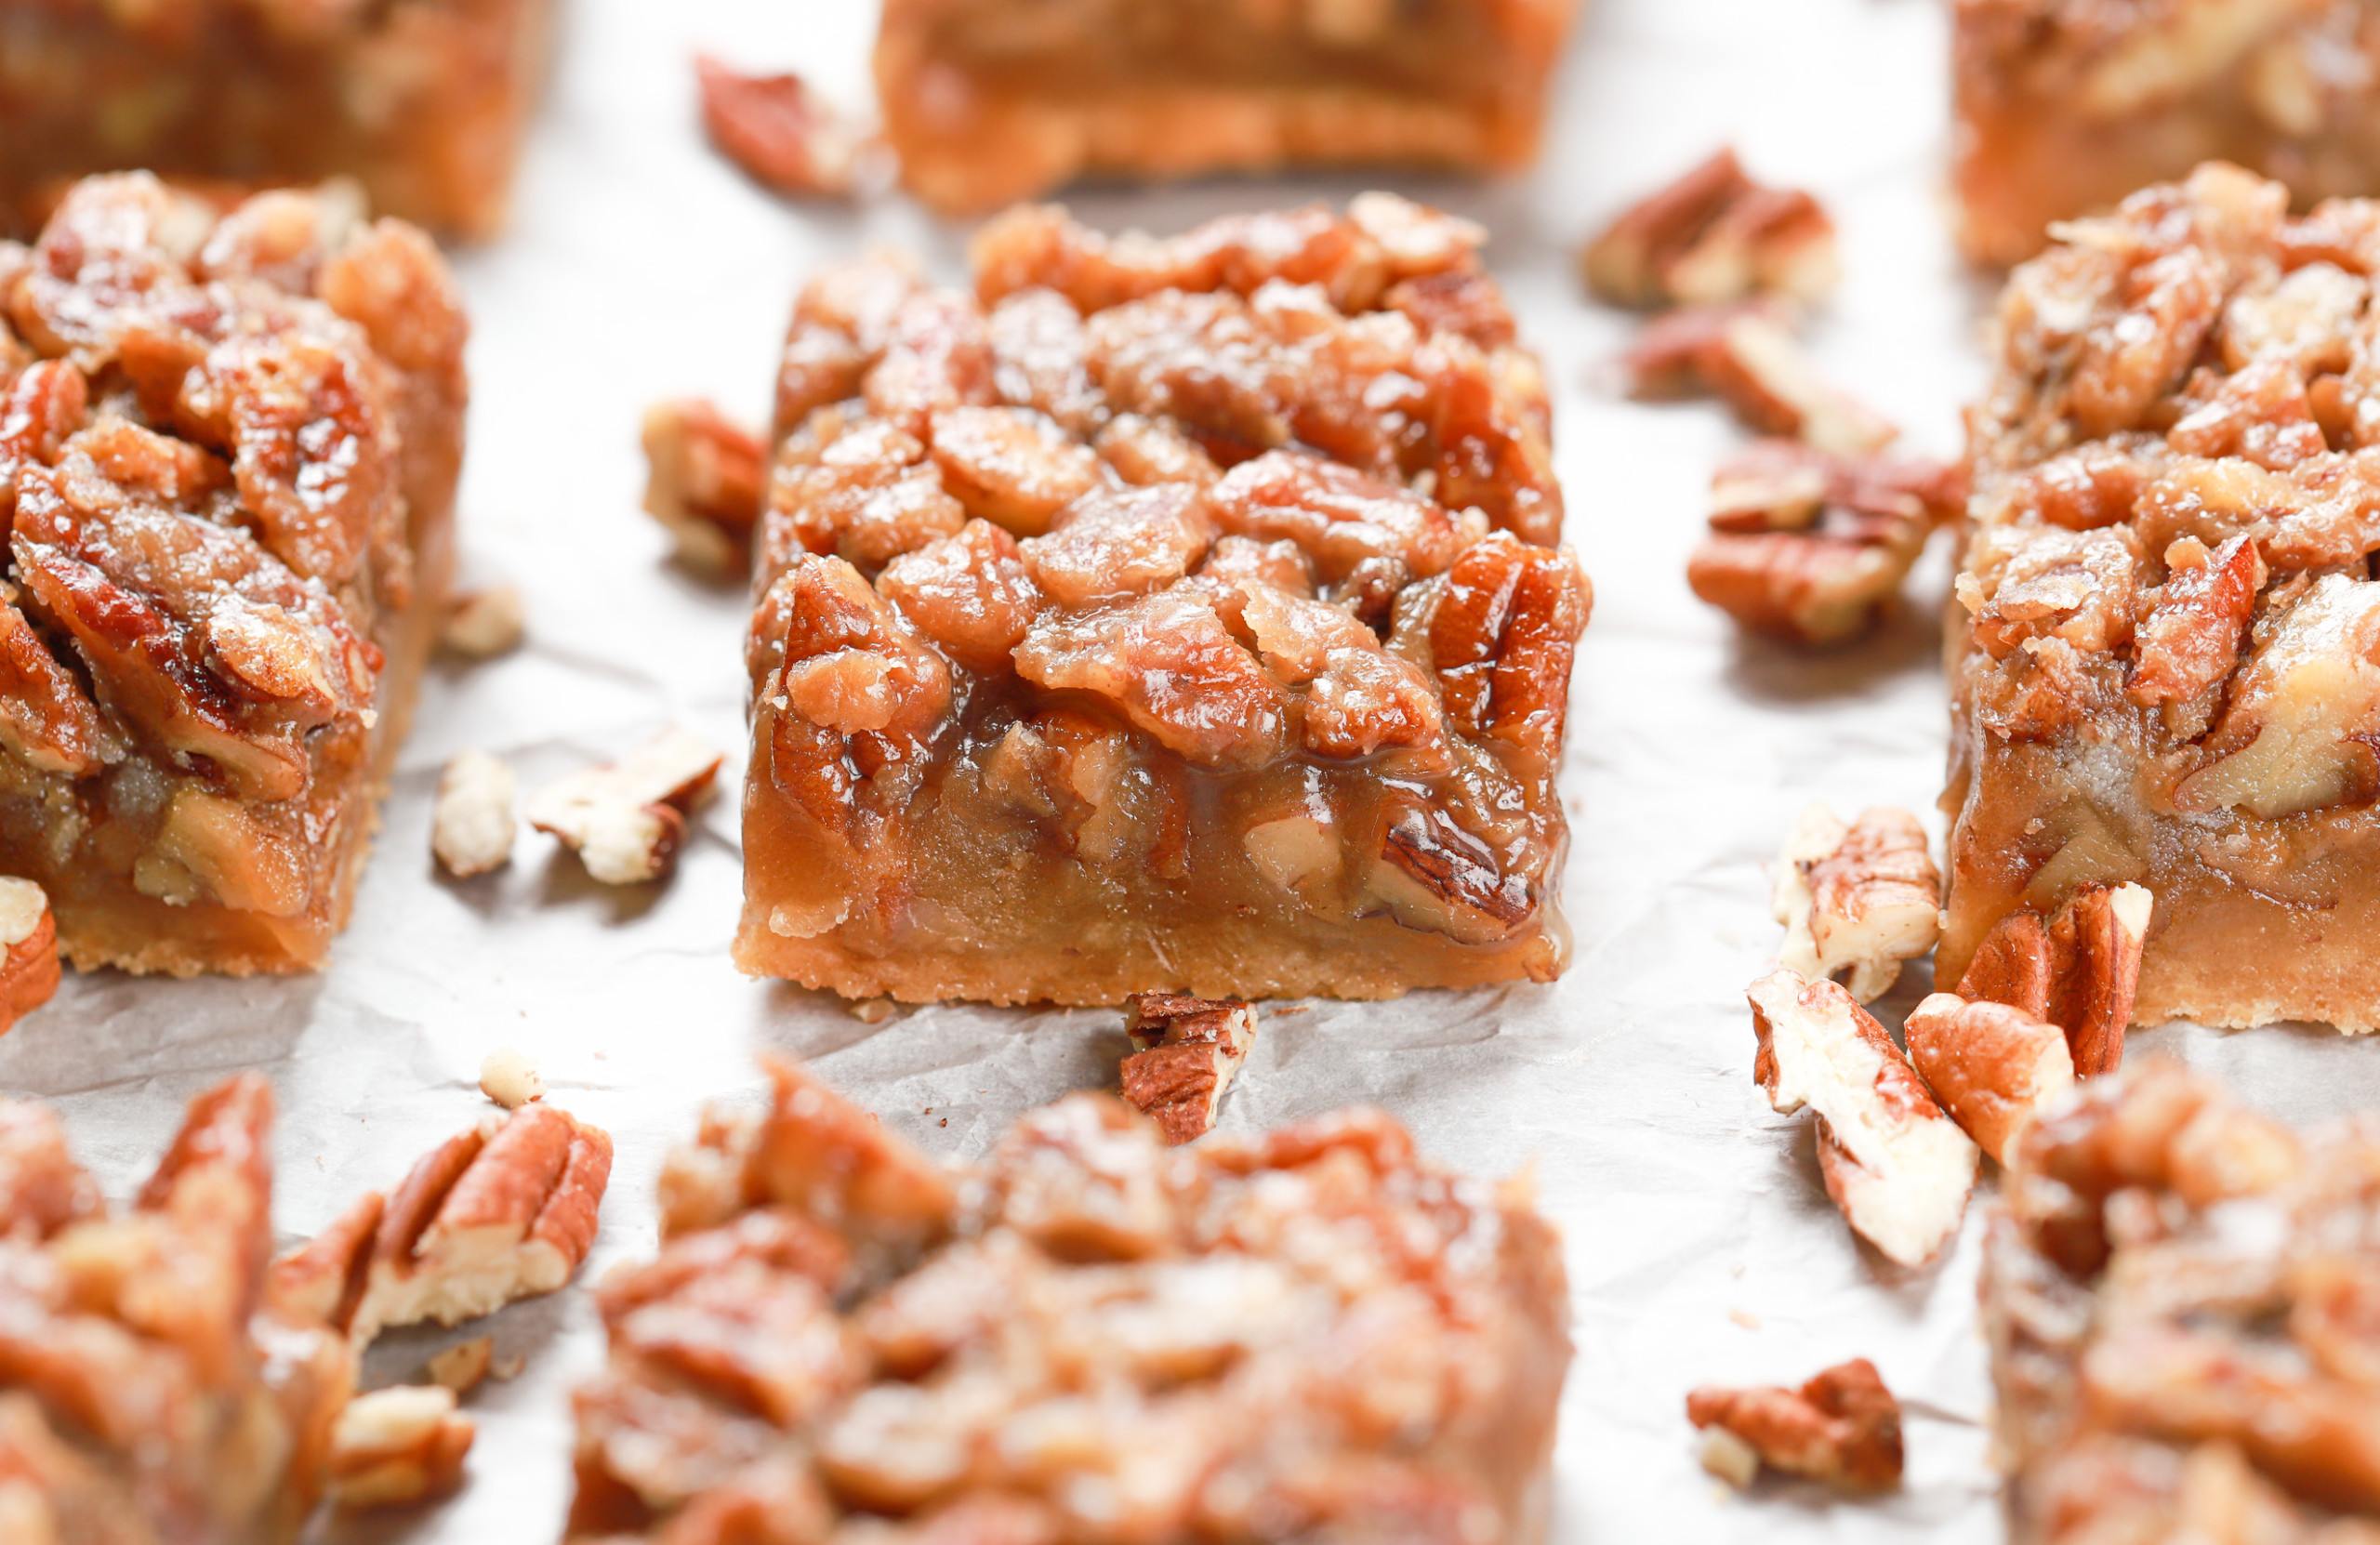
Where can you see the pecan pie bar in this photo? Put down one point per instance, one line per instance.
(422, 101)
(2178, 1300)
(146, 1391)
(1312, 1334)
(1166, 616)
(2162, 657)
(229, 451)
(2065, 106)
(988, 102)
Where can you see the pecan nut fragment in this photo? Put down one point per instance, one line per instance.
(2077, 969)
(396, 1446)
(1746, 355)
(1189, 1051)
(29, 936)
(1712, 236)
(482, 625)
(777, 130)
(1897, 1166)
(1841, 1428)
(626, 820)
(504, 1210)
(470, 822)
(1992, 1066)
(703, 481)
(1860, 898)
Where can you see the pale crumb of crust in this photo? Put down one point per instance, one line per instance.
(471, 825)
(510, 1079)
(1728, 1457)
(1897, 1166)
(872, 1010)
(1744, 1317)
(483, 624)
(461, 1366)
(1858, 899)
(1842, 1427)
(626, 820)
(398, 1446)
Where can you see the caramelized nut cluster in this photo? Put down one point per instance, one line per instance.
(1154, 551)
(147, 1391)
(1312, 1333)
(221, 442)
(2179, 1294)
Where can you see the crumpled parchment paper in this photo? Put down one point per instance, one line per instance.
(1700, 1244)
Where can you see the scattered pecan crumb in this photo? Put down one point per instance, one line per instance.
(397, 1446)
(1711, 236)
(626, 820)
(461, 1366)
(2077, 968)
(1859, 899)
(1992, 1066)
(1841, 1428)
(1745, 354)
(482, 624)
(702, 477)
(1190, 1050)
(470, 824)
(1898, 1168)
(504, 1210)
(29, 934)
(510, 1079)
(1813, 547)
(780, 132)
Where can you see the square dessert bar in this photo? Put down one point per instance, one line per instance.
(1166, 616)
(2063, 107)
(2163, 658)
(2178, 1295)
(1309, 1334)
(229, 451)
(988, 102)
(423, 102)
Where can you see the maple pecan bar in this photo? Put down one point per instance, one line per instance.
(1165, 615)
(991, 102)
(2178, 1295)
(422, 101)
(2161, 650)
(227, 449)
(2064, 107)
(147, 1389)
(1309, 1334)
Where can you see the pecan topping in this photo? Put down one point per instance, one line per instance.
(1843, 1428)
(1860, 898)
(1190, 1049)
(503, 1211)
(777, 130)
(1714, 235)
(2193, 636)
(1898, 1168)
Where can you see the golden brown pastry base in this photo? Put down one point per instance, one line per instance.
(984, 114)
(422, 101)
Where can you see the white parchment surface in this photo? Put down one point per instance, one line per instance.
(1701, 1244)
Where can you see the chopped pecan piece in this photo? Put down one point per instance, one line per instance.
(510, 1079)
(470, 823)
(1898, 1168)
(2193, 637)
(504, 1210)
(397, 1446)
(1712, 236)
(1992, 1065)
(1860, 898)
(703, 479)
(482, 625)
(29, 935)
(1842, 1427)
(2077, 969)
(461, 1366)
(627, 819)
(1746, 355)
(1190, 1049)
(777, 130)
